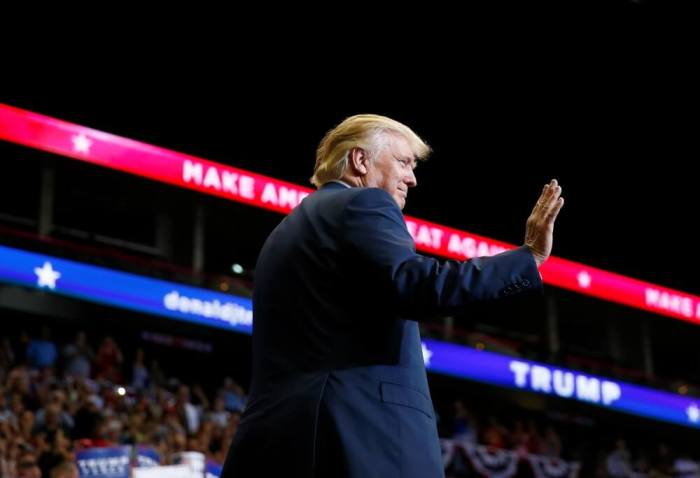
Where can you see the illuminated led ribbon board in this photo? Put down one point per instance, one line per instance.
(225, 311)
(96, 147)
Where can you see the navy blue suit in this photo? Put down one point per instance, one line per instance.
(339, 384)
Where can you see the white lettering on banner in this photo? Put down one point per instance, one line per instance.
(146, 461)
(211, 179)
(425, 235)
(282, 196)
(470, 247)
(230, 182)
(227, 181)
(541, 379)
(103, 466)
(229, 312)
(192, 172)
(587, 389)
(611, 392)
(520, 370)
(563, 383)
(671, 302)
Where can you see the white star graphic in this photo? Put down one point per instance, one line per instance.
(46, 276)
(426, 354)
(584, 279)
(81, 143)
(693, 413)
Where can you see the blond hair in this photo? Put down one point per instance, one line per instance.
(366, 131)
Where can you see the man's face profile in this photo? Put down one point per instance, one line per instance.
(393, 169)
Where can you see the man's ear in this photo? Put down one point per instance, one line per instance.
(359, 161)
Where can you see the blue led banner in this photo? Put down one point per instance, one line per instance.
(510, 372)
(207, 307)
(130, 291)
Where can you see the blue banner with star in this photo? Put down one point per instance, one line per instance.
(207, 307)
(122, 289)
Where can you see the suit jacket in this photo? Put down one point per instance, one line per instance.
(339, 385)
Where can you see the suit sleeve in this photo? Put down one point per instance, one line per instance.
(375, 232)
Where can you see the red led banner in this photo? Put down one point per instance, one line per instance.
(160, 164)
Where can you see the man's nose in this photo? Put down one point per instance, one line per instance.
(411, 180)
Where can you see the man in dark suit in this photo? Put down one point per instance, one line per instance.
(339, 384)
